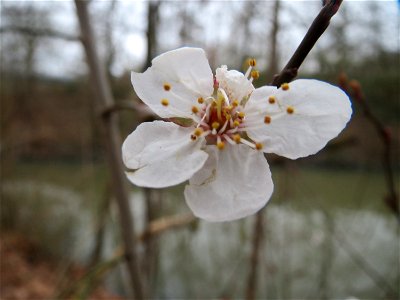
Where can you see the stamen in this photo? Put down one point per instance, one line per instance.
(226, 99)
(246, 75)
(228, 139)
(290, 110)
(235, 103)
(167, 87)
(252, 62)
(207, 114)
(271, 99)
(215, 125)
(220, 144)
(236, 138)
(241, 115)
(233, 130)
(285, 86)
(195, 109)
(223, 127)
(267, 119)
(255, 74)
(164, 102)
(193, 137)
(259, 146)
(236, 123)
(198, 131)
(200, 100)
(246, 142)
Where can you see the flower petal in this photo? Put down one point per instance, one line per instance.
(233, 184)
(180, 76)
(163, 153)
(302, 118)
(234, 83)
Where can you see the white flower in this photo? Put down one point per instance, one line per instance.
(228, 124)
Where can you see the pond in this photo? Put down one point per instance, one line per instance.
(327, 234)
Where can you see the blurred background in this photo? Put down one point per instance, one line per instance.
(330, 229)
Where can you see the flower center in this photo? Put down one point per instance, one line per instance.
(220, 118)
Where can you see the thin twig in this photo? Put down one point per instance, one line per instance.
(392, 197)
(93, 276)
(40, 32)
(163, 224)
(363, 264)
(317, 28)
(118, 107)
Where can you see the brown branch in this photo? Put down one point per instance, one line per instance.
(93, 275)
(163, 224)
(102, 90)
(317, 28)
(40, 32)
(118, 107)
(392, 198)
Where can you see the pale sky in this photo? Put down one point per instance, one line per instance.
(62, 58)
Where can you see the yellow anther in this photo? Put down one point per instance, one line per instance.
(164, 102)
(228, 108)
(271, 99)
(235, 103)
(290, 110)
(200, 100)
(241, 114)
(167, 86)
(252, 62)
(267, 119)
(198, 131)
(236, 123)
(255, 74)
(195, 109)
(236, 138)
(285, 86)
(215, 125)
(228, 116)
(259, 146)
(220, 145)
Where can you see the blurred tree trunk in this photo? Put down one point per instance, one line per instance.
(274, 56)
(151, 33)
(109, 38)
(258, 229)
(105, 99)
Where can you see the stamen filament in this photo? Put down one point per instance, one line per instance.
(246, 142)
(228, 139)
(223, 127)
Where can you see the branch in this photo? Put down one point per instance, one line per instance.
(161, 225)
(392, 198)
(40, 32)
(102, 90)
(317, 28)
(92, 276)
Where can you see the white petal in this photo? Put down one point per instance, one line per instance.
(234, 183)
(186, 71)
(234, 83)
(321, 111)
(163, 153)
